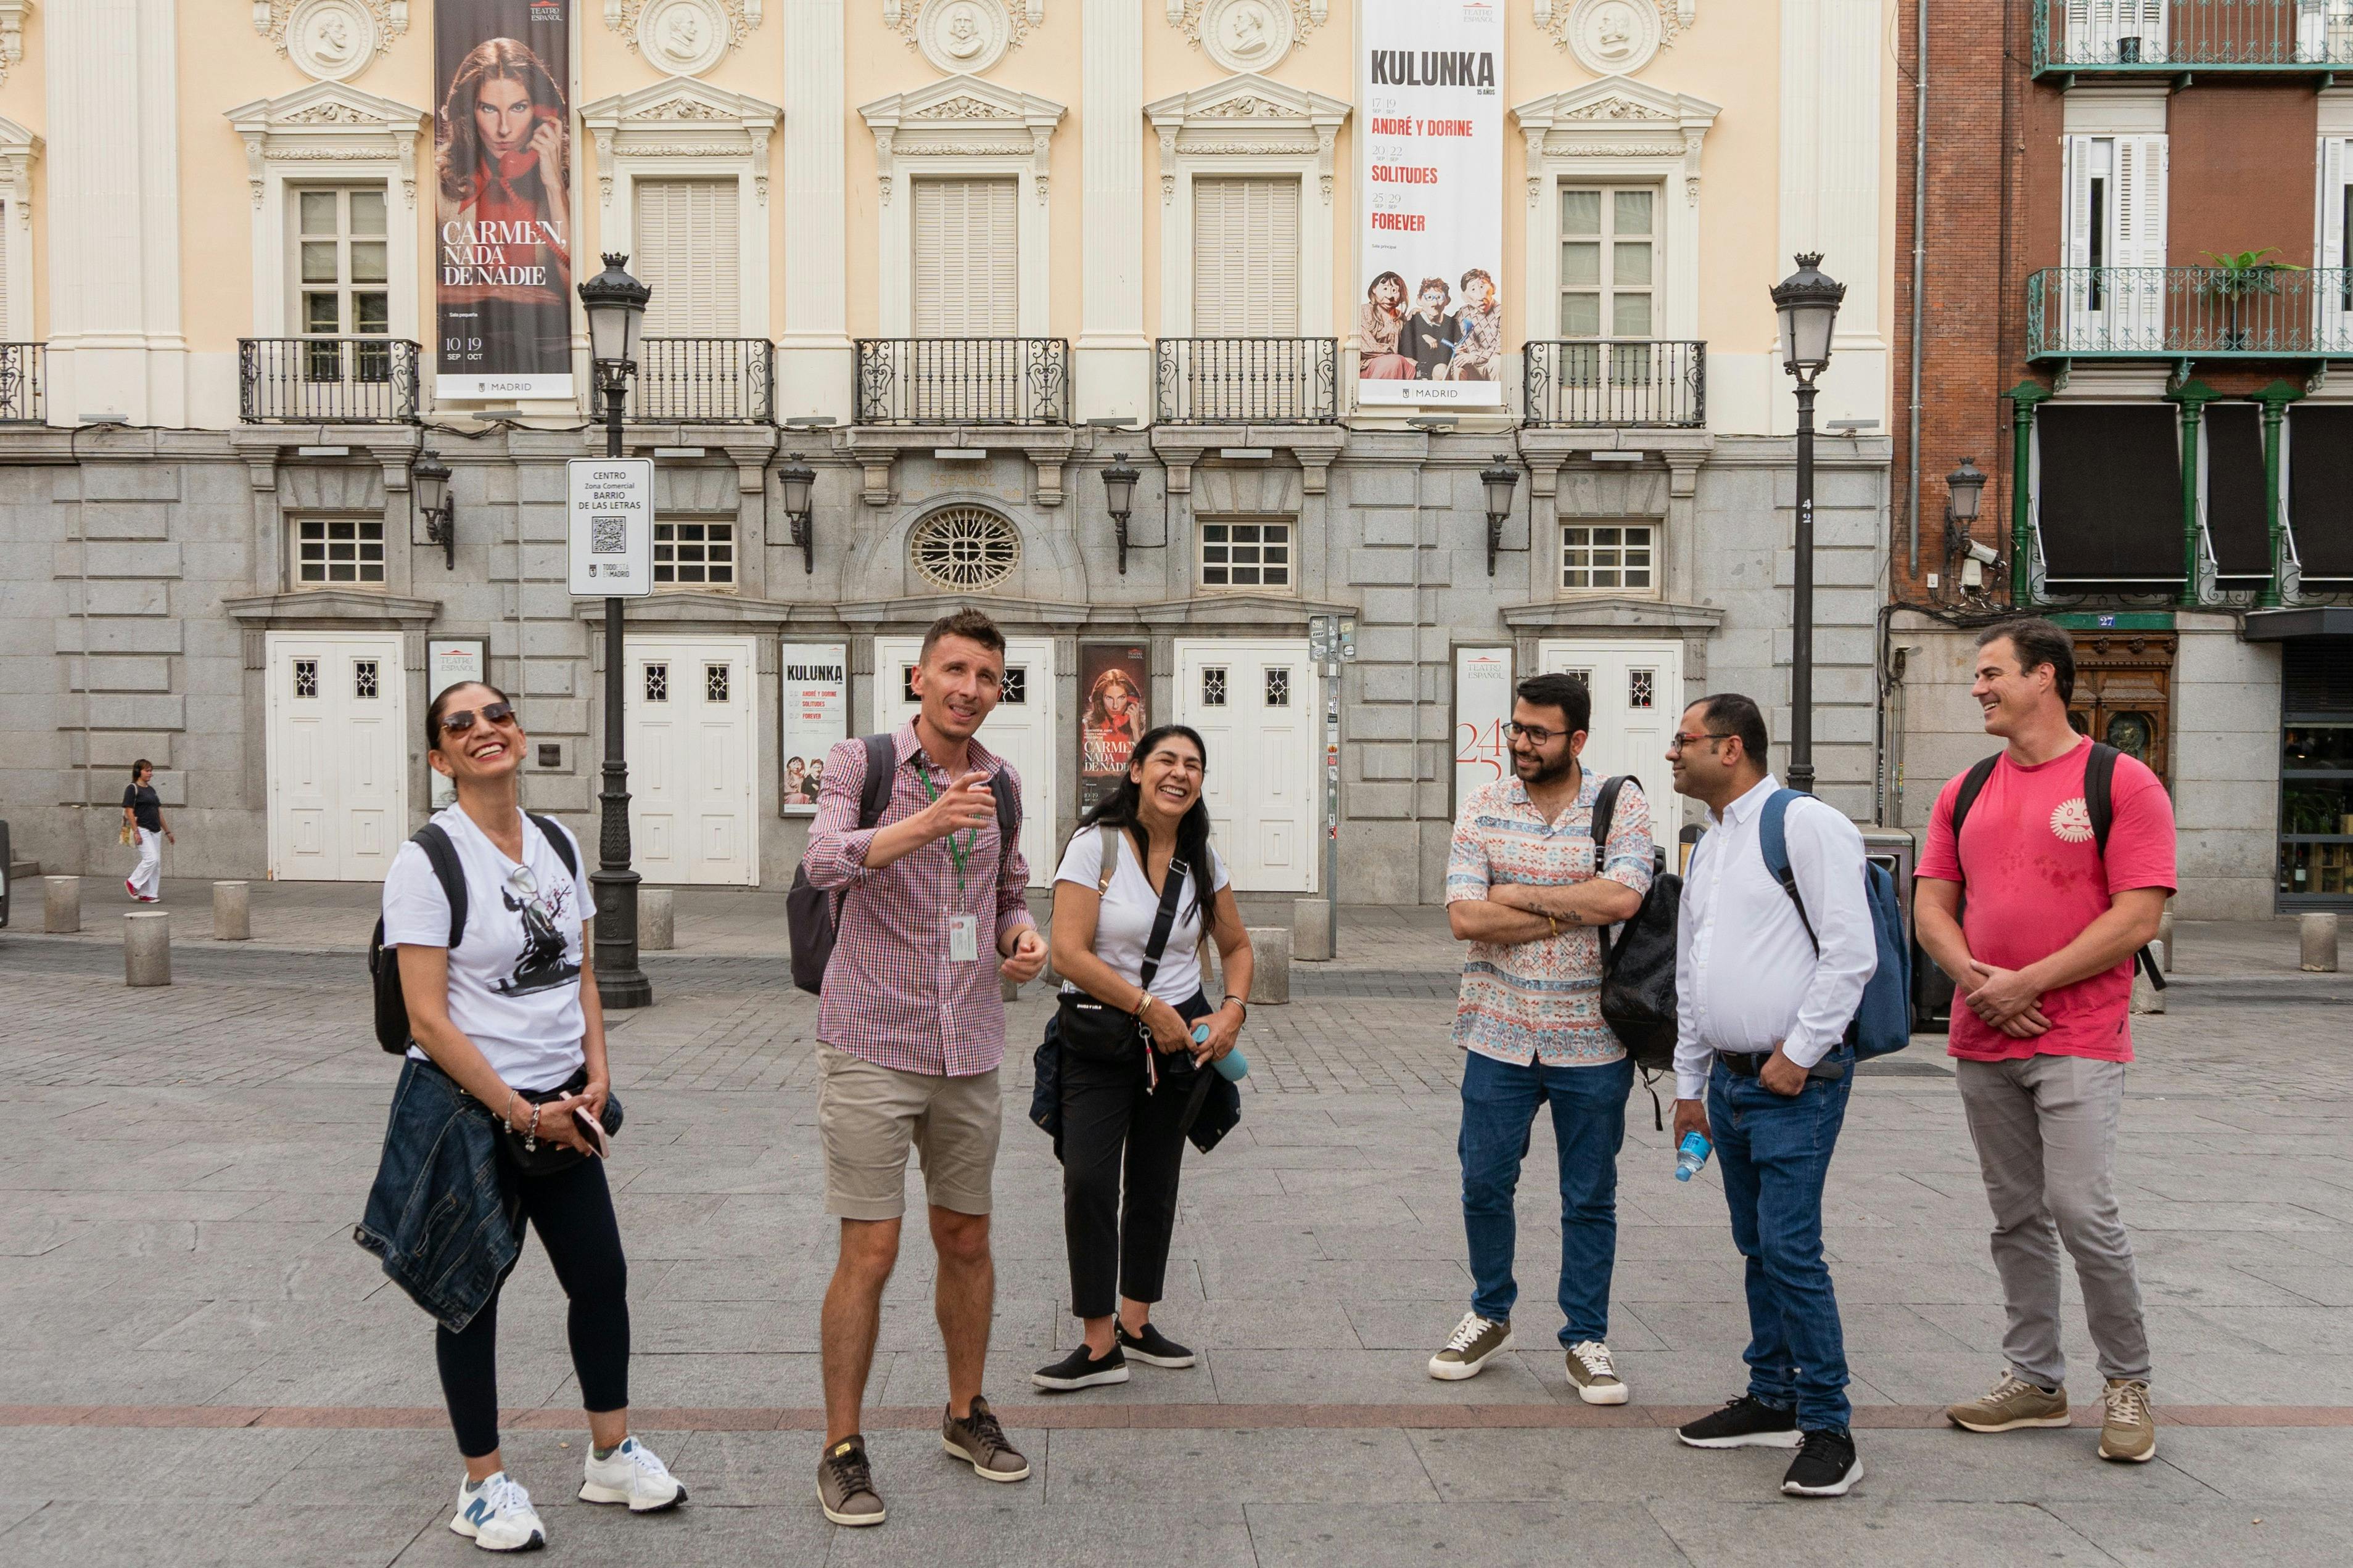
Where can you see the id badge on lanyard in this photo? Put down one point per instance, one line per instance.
(964, 939)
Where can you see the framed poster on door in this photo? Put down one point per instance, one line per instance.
(1113, 714)
(814, 699)
(1482, 706)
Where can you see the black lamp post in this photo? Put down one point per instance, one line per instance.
(428, 478)
(1808, 302)
(616, 303)
(794, 480)
(1119, 497)
(1501, 479)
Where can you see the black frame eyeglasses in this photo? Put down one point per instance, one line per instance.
(1678, 741)
(1534, 734)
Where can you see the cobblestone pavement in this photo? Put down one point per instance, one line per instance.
(203, 1368)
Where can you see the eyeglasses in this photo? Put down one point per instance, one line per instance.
(463, 720)
(1678, 741)
(1533, 734)
(522, 886)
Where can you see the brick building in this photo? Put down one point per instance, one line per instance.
(2134, 312)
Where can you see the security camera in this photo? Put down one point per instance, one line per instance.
(1978, 551)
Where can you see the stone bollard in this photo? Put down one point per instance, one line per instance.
(232, 914)
(2319, 935)
(657, 919)
(146, 947)
(2165, 940)
(1311, 931)
(2145, 998)
(1270, 966)
(60, 904)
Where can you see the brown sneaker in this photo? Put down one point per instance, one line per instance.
(980, 1440)
(1593, 1375)
(2013, 1403)
(1475, 1341)
(2129, 1430)
(845, 1485)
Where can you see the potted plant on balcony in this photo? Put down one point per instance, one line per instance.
(2236, 276)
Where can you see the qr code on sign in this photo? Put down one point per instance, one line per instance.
(608, 536)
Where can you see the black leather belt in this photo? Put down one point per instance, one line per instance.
(1744, 1064)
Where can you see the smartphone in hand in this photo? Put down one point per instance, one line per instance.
(594, 1130)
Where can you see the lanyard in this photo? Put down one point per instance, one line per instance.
(958, 853)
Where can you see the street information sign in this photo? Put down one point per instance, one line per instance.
(609, 510)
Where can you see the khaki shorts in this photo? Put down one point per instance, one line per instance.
(867, 1115)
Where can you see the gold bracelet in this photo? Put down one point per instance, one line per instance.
(1553, 923)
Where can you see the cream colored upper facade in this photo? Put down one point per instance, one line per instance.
(148, 150)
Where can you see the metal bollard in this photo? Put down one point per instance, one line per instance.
(60, 904)
(1270, 966)
(2165, 940)
(2320, 935)
(1311, 931)
(657, 919)
(146, 947)
(232, 913)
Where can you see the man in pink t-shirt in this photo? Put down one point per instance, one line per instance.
(2042, 962)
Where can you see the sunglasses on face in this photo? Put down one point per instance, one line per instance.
(460, 720)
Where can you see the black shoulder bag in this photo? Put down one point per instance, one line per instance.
(1090, 1027)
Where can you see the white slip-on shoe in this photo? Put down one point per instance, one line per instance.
(497, 1516)
(632, 1473)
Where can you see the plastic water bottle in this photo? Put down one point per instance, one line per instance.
(1692, 1155)
(1233, 1066)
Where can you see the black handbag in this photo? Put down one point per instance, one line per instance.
(1095, 1029)
(550, 1156)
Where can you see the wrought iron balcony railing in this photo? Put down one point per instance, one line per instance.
(23, 398)
(1632, 383)
(326, 381)
(963, 381)
(2202, 312)
(1248, 381)
(704, 381)
(2174, 35)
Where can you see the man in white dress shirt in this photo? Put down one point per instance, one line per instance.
(1765, 992)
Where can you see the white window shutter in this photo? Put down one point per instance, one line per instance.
(2140, 201)
(2079, 151)
(2335, 322)
(1245, 257)
(967, 272)
(688, 255)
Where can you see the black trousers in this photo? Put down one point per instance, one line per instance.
(1113, 1122)
(572, 1210)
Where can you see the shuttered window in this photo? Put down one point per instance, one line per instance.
(1245, 258)
(2320, 493)
(2116, 223)
(2108, 499)
(2332, 219)
(2236, 530)
(966, 262)
(2112, 32)
(689, 255)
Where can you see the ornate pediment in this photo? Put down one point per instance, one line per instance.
(1616, 117)
(681, 117)
(961, 117)
(329, 123)
(1246, 116)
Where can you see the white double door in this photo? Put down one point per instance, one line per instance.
(1636, 689)
(1021, 730)
(1257, 705)
(336, 756)
(692, 704)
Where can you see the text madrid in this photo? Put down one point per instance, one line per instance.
(1433, 67)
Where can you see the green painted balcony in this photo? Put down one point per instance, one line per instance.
(2171, 37)
(2189, 313)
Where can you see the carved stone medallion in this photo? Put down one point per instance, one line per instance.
(1615, 38)
(964, 36)
(332, 39)
(685, 37)
(1247, 35)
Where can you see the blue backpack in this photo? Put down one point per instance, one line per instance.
(1882, 1022)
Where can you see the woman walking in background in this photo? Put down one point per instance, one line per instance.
(1129, 940)
(144, 825)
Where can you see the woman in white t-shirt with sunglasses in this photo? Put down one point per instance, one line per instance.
(511, 1016)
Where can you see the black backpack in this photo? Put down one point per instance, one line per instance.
(384, 962)
(2099, 784)
(813, 914)
(1637, 968)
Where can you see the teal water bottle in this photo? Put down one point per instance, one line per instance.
(1691, 1154)
(1233, 1066)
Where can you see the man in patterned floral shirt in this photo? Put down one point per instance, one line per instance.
(1525, 888)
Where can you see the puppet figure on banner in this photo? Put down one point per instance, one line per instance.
(1430, 330)
(1113, 718)
(503, 172)
(814, 683)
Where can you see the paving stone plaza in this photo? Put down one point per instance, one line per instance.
(202, 1368)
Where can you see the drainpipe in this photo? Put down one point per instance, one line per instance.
(1919, 269)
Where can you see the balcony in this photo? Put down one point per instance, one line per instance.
(2189, 312)
(963, 381)
(326, 381)
(2176, 37)
(704, 381)
(23, 398)
(1643, 384)
(1247, 381)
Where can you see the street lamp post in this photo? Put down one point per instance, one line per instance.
(1807, 303)
(616, 304)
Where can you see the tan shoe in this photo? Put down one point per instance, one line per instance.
(978, 1439)
(2014, 1403)
(2129, 1430)
(1475, 1341)
(1593, 1375)
(845, 1485)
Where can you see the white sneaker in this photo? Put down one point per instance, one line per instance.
(497, 1516)
(633, 1475)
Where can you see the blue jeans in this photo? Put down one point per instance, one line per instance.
(1588, 1123)
(1775, 1154)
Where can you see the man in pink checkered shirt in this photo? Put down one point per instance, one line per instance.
(910, 1031)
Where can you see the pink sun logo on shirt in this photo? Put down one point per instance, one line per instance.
(2072, 821)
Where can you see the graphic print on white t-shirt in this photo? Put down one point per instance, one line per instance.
(1123, 921)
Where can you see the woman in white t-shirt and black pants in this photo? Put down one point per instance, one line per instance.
(1124, 1109)
(511, 1016)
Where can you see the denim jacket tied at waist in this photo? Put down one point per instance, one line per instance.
(445, 1223)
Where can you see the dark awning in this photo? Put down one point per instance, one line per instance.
(2236, 528)
(2320, 491)
(2109, 497)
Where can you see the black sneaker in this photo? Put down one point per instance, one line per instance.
(1080, 1370)
(1826, 1466)
(1747, 1422)
(1151, 1347)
